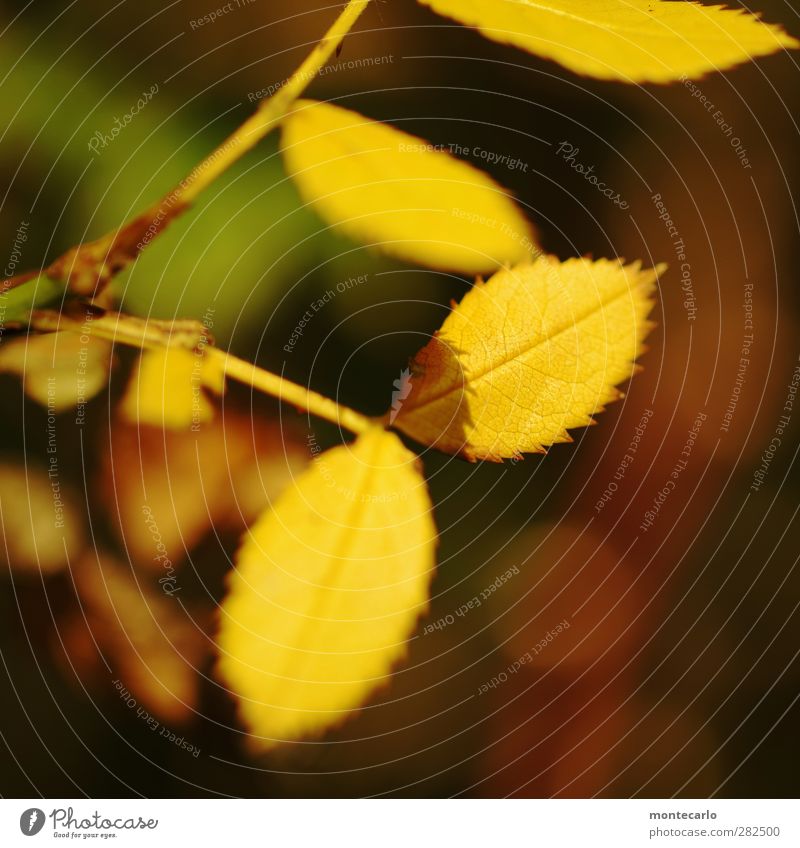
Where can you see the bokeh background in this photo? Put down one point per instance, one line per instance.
(678, 673)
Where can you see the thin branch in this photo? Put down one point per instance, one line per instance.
(292, 393)
(192, 335)
(88, 268)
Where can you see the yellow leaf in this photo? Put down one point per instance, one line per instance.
(395, 192)
(629, 40)
(60, 370)
(534, 351)
(166, 388)
(41, 531)
(327, 589)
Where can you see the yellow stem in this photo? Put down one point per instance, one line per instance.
(292, 393)
(119, 328)
(271, 111)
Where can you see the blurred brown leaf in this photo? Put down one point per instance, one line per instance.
(150, 641)
(572, 605)
(169, 489)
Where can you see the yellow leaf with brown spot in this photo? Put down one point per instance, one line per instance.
(167, 388)
(397, 193)
(627, 40)
(327, 589)
(536, 350)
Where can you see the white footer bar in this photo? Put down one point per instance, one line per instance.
(402, 823)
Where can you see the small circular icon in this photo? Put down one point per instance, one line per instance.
(31, 821)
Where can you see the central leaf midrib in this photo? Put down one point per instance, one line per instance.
(636, 29)
(335, 557)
